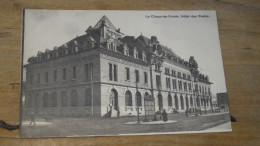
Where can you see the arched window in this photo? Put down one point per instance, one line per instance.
(128, 98)
(187, 102)
(88, 97)
(74, 98)
(138, 99)
(198, 102)
(169, 100)
(45, 100)
(176, 102)
(113, 97)
(191, 101)
(63, 98)
(182, 103)
(54, 99)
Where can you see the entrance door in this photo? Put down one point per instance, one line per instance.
(114, 99)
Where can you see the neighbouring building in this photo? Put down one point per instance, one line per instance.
(105, 68)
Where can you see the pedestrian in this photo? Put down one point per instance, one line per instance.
(165, 117)
(32, 118)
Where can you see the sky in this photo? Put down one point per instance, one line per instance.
(185, 35)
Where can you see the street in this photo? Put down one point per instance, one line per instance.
(115, 126)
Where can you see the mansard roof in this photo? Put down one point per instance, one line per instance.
(141, 43)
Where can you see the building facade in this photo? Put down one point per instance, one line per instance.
(106, 70)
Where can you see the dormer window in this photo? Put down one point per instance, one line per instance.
(76, 49)
(135, 53)
(114, 47)
(144, 56)
(126, 50)
(108, 46)
(48, 56)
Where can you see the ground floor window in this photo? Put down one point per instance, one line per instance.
(138, 99)
(182, 103)
(45, 100)
(74, 98)
(187, 102)
(63, 98)
(54, 99)
(176, 102)
(169, 100)
(88, 98)
(128, 98)
(191, 101)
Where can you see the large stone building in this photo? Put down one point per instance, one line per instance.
(105, 68)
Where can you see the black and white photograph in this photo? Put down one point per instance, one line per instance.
(117, 72)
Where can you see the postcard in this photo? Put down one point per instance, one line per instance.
(115, 72)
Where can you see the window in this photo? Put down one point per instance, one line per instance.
(45, 100)
(176, 102)
(191, 101)
(144, 56)
(157, 67)
(200, 89)
(54, 99)
(55, 75)
(135, 53)
(184, 76)
(182, 102)
(138, 99)
(158, 81)
(168, 83)
(209, 91)
(110, 72)
(169, 100)
(74, 72)
(179, 74)
(115, 72)
(189, 85)
(64, 73)
(38, 78)
(188, 77)
(88, 99)
(74, 98)
(46, 77)
(167, 71)
(185, 86)
(187, 102)
(180, 85)
(86, 72)
(145, 77)
(173, 72)
(128, 98)
(31, 78)
(63, 98)
(174, 83)
(137, 75)
(127, 71)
